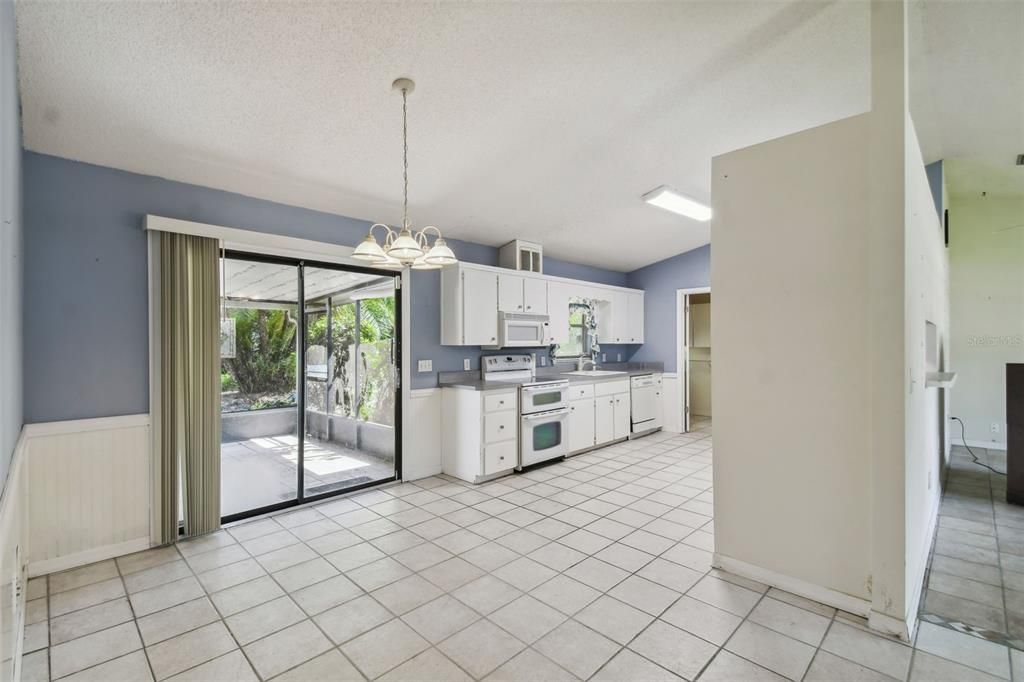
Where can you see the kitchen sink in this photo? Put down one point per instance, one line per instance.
(594, 372)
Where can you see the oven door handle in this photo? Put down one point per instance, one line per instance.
(545, 387)
(543, 415)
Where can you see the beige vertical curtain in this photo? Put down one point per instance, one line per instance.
(190, 383)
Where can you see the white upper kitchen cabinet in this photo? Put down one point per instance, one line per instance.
(473, 295)
(634, 329)
(469, 307)
(535, 296)
(510, 293)
(522, 294)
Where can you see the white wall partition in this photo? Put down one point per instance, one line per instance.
(791, 396)
(826, 275)
(421, 450)
(88, 486)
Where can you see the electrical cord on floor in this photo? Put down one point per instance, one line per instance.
(963, 437)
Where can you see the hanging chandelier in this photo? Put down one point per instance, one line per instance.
(405, 247)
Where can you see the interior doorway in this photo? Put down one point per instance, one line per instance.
(310, 367)
(694, 358)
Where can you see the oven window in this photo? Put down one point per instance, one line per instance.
(551, 398)
(546, 436)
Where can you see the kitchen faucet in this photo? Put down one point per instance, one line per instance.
(581, 362)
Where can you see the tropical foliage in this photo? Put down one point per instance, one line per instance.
(264, 361)
(375, 371)
(263, 369)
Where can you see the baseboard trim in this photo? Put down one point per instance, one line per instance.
(910, 626)
(63, 563)
(985, 445)
(802, 588)
(889, 625)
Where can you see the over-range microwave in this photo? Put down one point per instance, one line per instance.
(522, 330)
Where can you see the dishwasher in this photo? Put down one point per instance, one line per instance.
(645, 404)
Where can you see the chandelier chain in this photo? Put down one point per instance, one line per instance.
(405, 160)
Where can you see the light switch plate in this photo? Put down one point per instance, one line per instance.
(543, 361)
(618, 357)
(604, 357)
(465, 364)
(425, 366)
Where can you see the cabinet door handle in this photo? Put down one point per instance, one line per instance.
(501, 427)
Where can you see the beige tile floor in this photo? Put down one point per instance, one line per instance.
(976, 577)
(597, 568)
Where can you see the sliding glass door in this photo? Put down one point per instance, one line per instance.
(309, 377)
(351, 373)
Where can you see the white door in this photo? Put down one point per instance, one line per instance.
(479, 308)
(685, 369)
(535, 296)
(510, 293)
(621, 422)
(700, 325)
(604, 415)
(581, 424)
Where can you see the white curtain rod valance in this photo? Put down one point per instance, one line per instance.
(257, 242)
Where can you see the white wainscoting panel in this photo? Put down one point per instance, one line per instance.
(88, 484)
(12, 566)
(421, 452)
(672, 411)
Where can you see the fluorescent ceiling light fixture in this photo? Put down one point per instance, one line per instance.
(667, 198)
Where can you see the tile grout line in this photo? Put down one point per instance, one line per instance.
(548, 540)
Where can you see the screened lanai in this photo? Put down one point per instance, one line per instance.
(305, 378)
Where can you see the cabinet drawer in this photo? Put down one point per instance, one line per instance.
(577, 391)
(499, 457)
(496, 402)
(612, 387)
(499, 426)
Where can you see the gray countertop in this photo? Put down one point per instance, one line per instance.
(472, 381)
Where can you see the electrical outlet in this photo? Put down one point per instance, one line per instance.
(465, 364)
(604, 357)
(618, 357)
(543, 361)
(425, 366)
(994, 427)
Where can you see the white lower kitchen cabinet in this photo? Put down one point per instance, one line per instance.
(479, 433)
(581, 424)
(598, 414)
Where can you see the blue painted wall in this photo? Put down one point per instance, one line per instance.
(934, 173)
(85, 281)
(660, 281)
(11, 240)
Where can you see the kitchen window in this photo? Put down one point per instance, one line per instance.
(580, 339)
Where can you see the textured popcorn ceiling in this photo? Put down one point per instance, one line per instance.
(535, 120)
